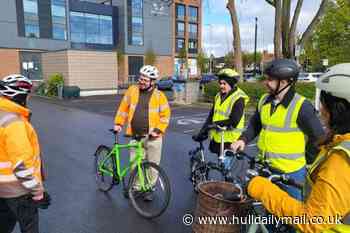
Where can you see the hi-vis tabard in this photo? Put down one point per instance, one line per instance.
(222, 111)
(158, 110)
(281, 141)
(343, 146)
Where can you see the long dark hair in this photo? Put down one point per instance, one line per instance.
(339, 112)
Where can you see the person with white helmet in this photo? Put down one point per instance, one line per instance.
(327, 187)
(146, 112)
(21, 180)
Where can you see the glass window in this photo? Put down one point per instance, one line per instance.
(193, 14)
(192, 44)
(135, 22)
(180, 29)
(77, 24)
(31, 18)
(180, 43)
(106, 31)
(58, 12)
(192, 30)
(91, 28)
(180, 12)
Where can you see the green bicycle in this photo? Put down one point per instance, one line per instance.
(148, 186)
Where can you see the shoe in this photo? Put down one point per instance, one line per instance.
(148, 197)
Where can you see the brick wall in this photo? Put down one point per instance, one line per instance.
(9, 62)
(165, 64)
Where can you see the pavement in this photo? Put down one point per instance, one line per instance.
(69, 133)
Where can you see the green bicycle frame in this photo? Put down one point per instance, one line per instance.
(122, 172)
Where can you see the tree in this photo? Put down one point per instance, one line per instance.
(202, 62)
(229, 59)
(285, 29)
(237, 50)
(248, 58)
(331, 40)
(182, 55)
(150, 57)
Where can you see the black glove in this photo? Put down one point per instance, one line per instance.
(43, 203)
(201, 136)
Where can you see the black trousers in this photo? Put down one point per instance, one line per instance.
(19, 209)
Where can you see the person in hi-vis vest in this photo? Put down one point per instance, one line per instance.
(285, 123)
(327, 200)
(227, 110)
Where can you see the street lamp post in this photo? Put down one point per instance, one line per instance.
(255, 44)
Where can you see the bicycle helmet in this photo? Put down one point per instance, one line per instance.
(150, 72)
(282, 69)
(16, 87)
(231, 76)
(336, 81)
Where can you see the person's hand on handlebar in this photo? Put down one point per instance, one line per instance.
(117, 128)
(238, 146)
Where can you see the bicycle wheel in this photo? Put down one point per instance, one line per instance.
(199, 173)
(157, 186)
(104, 180)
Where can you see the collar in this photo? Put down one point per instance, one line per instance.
(10, 106)
(288, 97)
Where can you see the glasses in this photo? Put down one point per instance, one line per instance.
(145, 80)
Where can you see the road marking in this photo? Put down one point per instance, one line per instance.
(189, 131)
(251, 145)
(190, 121)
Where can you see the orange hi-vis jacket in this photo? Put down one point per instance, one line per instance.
(20, 163)
(158, 111)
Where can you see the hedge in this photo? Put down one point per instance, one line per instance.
(257, 89)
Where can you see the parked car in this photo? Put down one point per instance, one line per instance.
(165, 83)
(309, 77)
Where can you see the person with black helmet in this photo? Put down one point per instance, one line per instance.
(327, 187)
(227, 110)
(282, 121)
(21, 179)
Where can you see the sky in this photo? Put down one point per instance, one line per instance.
(217, 29)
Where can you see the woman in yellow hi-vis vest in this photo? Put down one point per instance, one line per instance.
(327, 191)
(227, 110)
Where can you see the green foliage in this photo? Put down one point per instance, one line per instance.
(150, 57)
(256, 89)
(54, 81)
(229, 59)
(202, 61)
(248, 58)
(331, 40)
(41, 89)
(182, 55)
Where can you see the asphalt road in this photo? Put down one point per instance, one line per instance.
(69, 134)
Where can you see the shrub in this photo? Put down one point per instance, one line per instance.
(54, 81)
(41, 89)
(256, 90)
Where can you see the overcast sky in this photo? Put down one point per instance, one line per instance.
(217, 29)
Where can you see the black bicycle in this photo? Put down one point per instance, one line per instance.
(202, 170)
(258, 168)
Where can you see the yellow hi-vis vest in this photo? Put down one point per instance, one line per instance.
(222, 111)
(281, 142)
(344, 146)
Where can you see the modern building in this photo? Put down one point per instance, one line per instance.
(96, 44)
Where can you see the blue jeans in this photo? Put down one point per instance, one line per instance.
(298, 176)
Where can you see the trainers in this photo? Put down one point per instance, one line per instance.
(148, 197)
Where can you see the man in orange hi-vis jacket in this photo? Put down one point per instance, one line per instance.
(146, 112)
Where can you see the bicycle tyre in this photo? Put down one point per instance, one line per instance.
(165, 186)
(104, 183)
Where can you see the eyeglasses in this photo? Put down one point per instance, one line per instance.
(145, 80)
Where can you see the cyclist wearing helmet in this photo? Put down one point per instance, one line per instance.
(146, 112)
(282, 120)
(21, 184)
(227, 110)
(328, 183)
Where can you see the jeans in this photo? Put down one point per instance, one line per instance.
(298, 176)
(20, 209)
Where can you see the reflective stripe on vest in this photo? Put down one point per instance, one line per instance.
(222, 111)
(278, 131)
(344, 146)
